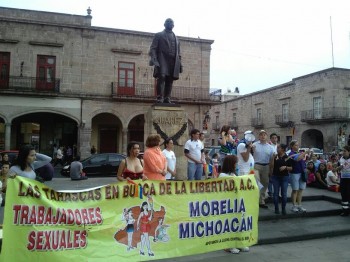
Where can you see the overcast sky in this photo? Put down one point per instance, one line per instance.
(258, 44)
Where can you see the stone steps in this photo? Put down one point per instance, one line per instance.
(321, 220)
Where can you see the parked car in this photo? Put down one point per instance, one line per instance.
(104, 164)
(316, 151)
(11, 153)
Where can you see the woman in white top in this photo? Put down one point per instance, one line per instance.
(27, 161)
(228, 169)
(170, 158)
(332, 178)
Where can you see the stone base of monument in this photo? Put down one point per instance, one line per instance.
(170, 120)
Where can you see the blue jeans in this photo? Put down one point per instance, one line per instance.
(280, 182)
(194, 171)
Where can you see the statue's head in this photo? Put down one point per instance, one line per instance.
(169, 24)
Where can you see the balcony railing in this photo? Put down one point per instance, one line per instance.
(283, 121)
(179, 93)
(326, 114)
(233, 124)
(216, 126)
(30, 84)
(257, 123)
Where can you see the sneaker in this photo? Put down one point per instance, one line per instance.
(301, 209)
(295, 209)
(244, 249)
(234, 250)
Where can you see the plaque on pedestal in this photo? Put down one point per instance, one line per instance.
(170, 121)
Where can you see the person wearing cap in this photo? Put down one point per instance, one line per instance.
(245, 158)
(263, 157)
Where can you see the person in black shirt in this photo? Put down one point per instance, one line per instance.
(282, 165)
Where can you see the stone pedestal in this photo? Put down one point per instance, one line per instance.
(170, 121)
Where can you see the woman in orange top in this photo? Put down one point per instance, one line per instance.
(155, 164)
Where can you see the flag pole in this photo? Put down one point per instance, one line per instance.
(330, 21)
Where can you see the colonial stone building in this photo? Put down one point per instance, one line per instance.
(314, 109)
(66, 82)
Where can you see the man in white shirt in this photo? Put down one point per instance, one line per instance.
(194, 151)
(263, 157)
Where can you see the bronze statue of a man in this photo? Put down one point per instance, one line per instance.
(166, 59)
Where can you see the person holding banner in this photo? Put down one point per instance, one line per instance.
(228, 169)
(131, 168)
(27, 161)
(155, 164)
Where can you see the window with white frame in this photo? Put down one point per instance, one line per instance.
(317, 107)
(259, 115)
(285, 113)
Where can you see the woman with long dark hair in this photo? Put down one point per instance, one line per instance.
(27, 161)
(228, 169)
(280, 176)
(131, 168)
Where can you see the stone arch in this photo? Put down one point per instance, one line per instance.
(43, 129)
(312, 138)
(109, 111)
(136, 129)
(106, 132)
(3, 118)
(134, 114)
(45, 111)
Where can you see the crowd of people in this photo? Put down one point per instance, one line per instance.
(275, 166)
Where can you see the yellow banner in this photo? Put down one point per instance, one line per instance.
(114, 223)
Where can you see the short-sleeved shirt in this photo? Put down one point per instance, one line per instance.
(75, 169)
(262, 152)
(171, 159)
(345, 171)
(244, 167)
(279, 162)
(329, 179)
(195, 148)
(298, 167)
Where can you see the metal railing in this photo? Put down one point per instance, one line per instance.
(233, 124)
(216, 126)
(30, 84)
(178, 92)
(283, 121)
(257, 122)
(329, 114)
